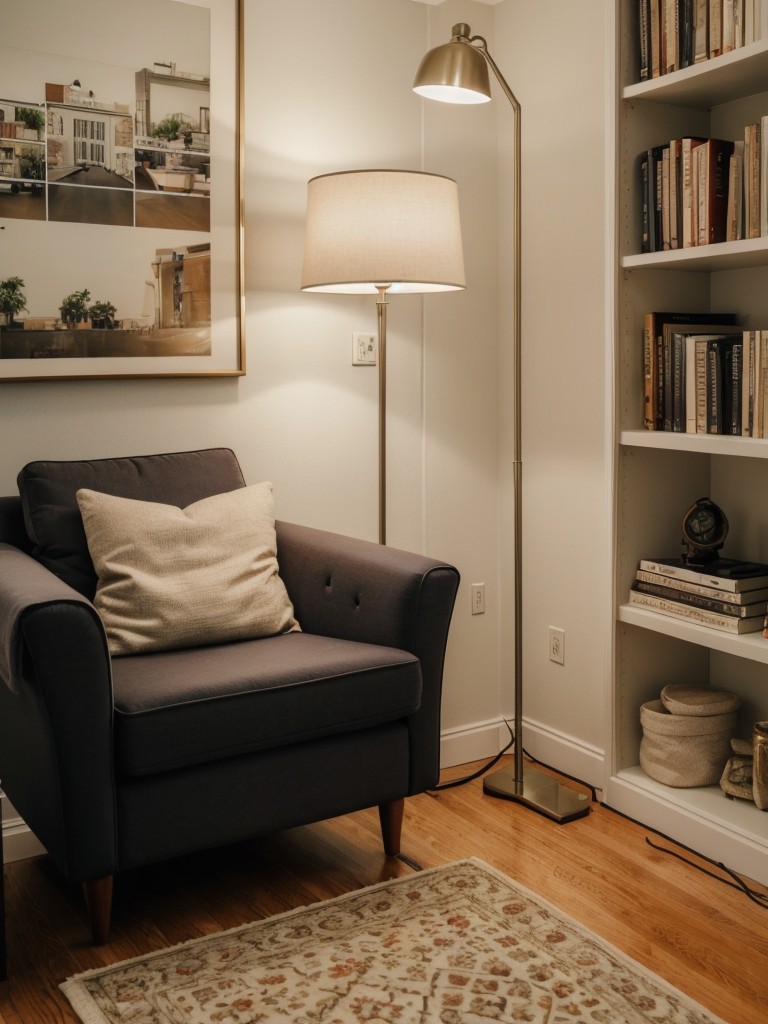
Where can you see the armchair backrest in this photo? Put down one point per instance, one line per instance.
(54, 525)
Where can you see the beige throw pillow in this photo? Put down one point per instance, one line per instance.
(172, 577)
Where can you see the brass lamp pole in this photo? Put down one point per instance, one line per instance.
(457, 72)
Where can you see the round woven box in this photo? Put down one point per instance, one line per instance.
(684, 750)
(680, 699)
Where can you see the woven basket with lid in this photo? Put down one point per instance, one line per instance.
(687, 735)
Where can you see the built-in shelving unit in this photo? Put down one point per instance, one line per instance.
(658, 475)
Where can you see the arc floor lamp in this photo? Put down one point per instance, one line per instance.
(457, 72)
(372, 232)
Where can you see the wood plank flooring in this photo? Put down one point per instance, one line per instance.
(702, 935)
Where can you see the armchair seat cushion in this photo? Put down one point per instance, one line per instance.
(177, 708)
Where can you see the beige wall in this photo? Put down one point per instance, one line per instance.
(556, 55)
(328, 88)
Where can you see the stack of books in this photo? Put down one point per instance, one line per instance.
(726, 594)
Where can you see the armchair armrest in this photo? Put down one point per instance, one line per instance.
(357, 590)
(55, 712)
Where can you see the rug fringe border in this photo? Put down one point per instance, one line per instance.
(89, 1013)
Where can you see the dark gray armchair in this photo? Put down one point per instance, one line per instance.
(116, 762)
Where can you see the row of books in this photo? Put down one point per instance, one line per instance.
(684, 373)
(695, 190)
(725, 594)
(675, 34)
(710, 384)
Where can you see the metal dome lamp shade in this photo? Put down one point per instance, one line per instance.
(457, 72)
(380, 231)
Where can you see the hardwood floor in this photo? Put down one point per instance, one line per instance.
(702, 935)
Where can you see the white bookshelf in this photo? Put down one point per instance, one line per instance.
(658, 475)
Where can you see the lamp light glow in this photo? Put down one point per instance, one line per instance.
(371, 228)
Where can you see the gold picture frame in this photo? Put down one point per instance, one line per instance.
(121, 171)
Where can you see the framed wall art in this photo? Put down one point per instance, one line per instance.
(121, 160)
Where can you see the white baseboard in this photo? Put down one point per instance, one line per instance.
(560, 751)
(472, 742)
(18, 841)
(565, 754)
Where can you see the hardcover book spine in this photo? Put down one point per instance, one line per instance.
(711, 604)
(727, 623)
(672, 583)
(730, 583)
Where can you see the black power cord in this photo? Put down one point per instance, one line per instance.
(738, 883)
(735, 882)
(481, 771)
(494, 761)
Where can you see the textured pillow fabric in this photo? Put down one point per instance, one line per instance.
(171, 577)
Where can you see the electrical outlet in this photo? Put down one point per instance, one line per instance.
(477, 593)
(557, 645)
(363, 349)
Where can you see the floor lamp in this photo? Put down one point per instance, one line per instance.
(457, 72)
(373, 232)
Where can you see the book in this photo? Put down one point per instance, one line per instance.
(712, 160)
(712, 604)
(652, 200)
(715, 37)
(754, 383)
(747, 382)
(723, 390)
(700, 350)
(700, 31)
(732, 574)
(734, 217)
(752, 153)
(676, 585)
(685, 387)
(665, 196)
(675, 210)
(686, 32)
(731, 386)
(701, 616)
(644, 16)
(654, 22)
(671, 36)
(689, 193)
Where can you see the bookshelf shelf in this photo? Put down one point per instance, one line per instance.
(657, 475)
(752, 646)
(748, 252)
(711, 83)
(707, 444)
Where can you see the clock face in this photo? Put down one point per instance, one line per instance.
(704, 526)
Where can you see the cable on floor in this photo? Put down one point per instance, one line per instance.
(738, 883)
(481, 771)
(487, 767)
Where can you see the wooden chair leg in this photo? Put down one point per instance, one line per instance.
(391, 818)
(98, 902)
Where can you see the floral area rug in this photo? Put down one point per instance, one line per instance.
(459, 944)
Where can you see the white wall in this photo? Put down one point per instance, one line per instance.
(555, 56)
(306, 419)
